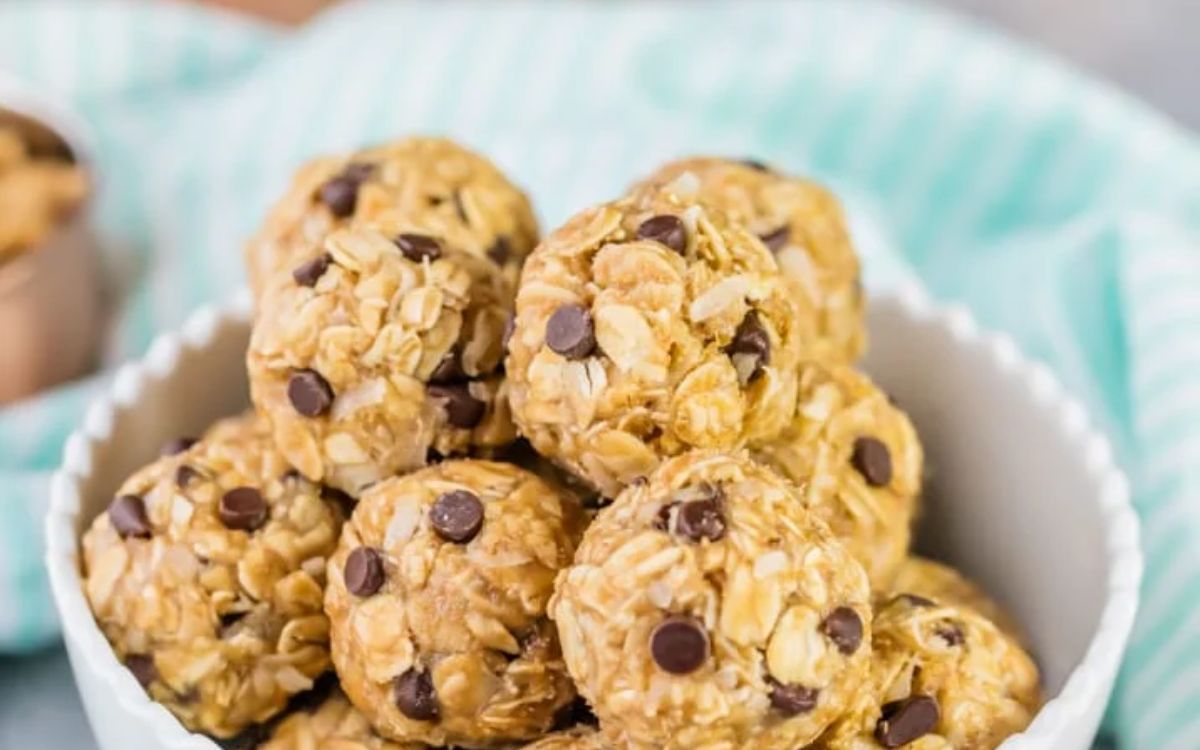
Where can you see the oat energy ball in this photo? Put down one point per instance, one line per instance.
(941, 677)
(378, 349)
(429, 186)
(37, 191)
(801, 222)
(335, 724)
(438, 595)
(707, 609)
(647, 327)
(941, 583)
(858, 462)
(206, 575)
(575, 739)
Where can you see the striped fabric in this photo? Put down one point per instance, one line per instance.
(1059, 210)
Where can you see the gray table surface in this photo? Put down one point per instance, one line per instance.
(1142, 45)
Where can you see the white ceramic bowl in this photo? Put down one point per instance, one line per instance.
(1023, 496)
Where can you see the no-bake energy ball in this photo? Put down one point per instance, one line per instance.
(647, 327)
(858, 462)
(801, 222)
(941, 583)
(429, 186)
(438, 595)
(335, 724)
(378, 349)
(206, 575)
(942, 677)
(707, 609)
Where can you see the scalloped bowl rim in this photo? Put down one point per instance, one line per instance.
(1081, 690)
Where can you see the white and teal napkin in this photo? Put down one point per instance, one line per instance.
(1060, 211)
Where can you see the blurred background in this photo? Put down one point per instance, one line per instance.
(1147, 47)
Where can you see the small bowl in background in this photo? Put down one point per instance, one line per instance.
(50, 295)
(1023, 496)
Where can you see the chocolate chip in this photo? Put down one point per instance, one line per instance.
(243, 508)
(449, 368)
(569, 332)
(701, 519)
(952, 634)
(906, 720)
(309, 393)
(679, 645)
(462, 409)
(363, 573)
(500, 251)
(751, 347)
(308, 273)
(776, 238)
(419, 247)
(871, 459)
(142, 667)
(415, 696)
(792, 699)
(340, 193)
(184, 476)
(127, 514)
(666, 229)
(177, 446)
(755, 164)
(457, 516)
(844, 627)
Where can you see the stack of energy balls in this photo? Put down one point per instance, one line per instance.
(619, 488)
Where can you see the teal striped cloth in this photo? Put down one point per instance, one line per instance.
(1059, 210)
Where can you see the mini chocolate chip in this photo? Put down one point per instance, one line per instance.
(871, 459)
(419, 247)
(755, 164)
(679, 645)
(243, 508)
(462, 409)
(176, 446)
(952, 634)
(844, 627)
(500, 251)
(665, 229)
(309, 272)
(569, 332)
(792, 699)
(340, 193)
(364, 572)
(776, 238)
(433, 456)
(457, 516)
(184, 476)
(752, 342)
(449, 368)
(415, 696)
(573, 714)
(916, 600)
(142, 667)
(310, 394)
(701, 519)
(127, 514)
(663, 521)
(906, 720)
